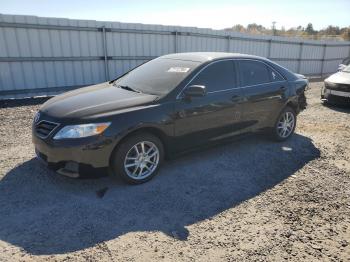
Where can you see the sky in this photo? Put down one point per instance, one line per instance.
(216, 14)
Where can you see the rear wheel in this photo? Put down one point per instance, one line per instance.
(285, 124)
(137, 159)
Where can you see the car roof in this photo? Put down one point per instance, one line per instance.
(206, 57)
(203, 57)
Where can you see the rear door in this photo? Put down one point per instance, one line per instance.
(264, 90)
(214, 115)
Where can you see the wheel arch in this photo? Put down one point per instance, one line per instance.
(146, 129)
(294, 105)
(291, 103)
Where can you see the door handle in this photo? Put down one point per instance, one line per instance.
(283, 88)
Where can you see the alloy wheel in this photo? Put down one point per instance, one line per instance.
(141, 160)
(286, 124)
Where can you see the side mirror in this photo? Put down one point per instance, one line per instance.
(195, 91)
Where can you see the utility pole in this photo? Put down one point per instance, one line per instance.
(274, 27)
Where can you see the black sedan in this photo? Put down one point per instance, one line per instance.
(165, 106)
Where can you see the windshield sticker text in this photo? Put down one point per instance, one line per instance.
(178, 69)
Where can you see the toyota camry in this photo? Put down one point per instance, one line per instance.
(165, 106)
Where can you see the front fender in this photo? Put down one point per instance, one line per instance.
(157, 120)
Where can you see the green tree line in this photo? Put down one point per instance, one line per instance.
(330, 32)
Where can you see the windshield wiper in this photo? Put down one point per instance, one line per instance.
(128, 88)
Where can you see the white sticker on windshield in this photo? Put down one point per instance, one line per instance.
(179, 69)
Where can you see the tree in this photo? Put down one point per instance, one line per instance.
(309, 29)
(255, 28)
(345, 33)
(332, 30)
(238, 28)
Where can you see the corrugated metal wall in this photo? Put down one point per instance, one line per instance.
(40, 56)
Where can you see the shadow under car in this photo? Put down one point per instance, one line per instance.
(45, 213)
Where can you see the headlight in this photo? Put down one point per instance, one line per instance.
(329, 84)
(84, 130)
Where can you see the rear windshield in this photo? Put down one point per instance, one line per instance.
(158, 76)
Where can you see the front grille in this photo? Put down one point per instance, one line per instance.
(44, 128)
(338, 87)
(339, 99)
(344, 87)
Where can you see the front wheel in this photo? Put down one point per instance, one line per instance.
(285, 124)
(138, 158)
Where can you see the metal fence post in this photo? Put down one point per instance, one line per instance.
(104, 40)
(323, 59)
(228, 43)
(175, 42)
(301, 44)
(269, 49)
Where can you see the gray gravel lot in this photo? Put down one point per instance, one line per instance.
(252, 199)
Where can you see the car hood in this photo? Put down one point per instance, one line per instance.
(339, 78)
(92, 100)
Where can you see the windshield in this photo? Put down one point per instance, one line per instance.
(346, 69)
(158, 76)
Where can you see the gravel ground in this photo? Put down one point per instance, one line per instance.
(249, 200)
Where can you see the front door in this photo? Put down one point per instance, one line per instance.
(215, 115)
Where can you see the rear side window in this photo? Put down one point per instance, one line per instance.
(218, 76)
(253, 73)
(274, 76)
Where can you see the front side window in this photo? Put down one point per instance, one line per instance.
(346, 61)
(217, 76)
(253, 73)
(346, 69)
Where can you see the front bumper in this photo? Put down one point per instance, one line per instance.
(92, 151)
(328, 92)
(335, 96)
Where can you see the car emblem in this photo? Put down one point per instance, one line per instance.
(36, 117)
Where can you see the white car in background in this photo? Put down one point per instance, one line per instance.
(336, 88)
(345, 63)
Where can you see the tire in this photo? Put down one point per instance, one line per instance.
(138, 158)
(285, 124)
